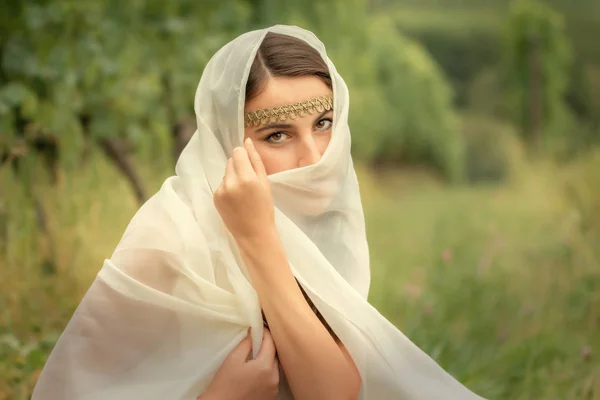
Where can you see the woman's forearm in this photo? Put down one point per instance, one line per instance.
(314, 364)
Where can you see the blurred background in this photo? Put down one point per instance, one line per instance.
(476, 135)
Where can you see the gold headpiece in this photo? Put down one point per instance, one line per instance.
(290, 111)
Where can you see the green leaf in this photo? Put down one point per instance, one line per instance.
(10, 340)
(14, 94)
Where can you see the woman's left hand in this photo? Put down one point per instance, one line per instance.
(243, 199)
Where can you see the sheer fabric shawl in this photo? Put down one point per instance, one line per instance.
(175, 298)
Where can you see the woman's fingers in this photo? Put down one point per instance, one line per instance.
(242, 351)
(229, 172)
(267, 349)
(241, 163)
(255, 159)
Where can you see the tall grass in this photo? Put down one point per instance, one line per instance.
(500, 284)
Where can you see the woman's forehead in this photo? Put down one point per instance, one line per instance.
(281, 91)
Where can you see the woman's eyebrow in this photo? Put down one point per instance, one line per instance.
(324, 113)
(274, 126)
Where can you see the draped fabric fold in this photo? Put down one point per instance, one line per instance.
(175, 298)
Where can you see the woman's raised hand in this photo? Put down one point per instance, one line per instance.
(238, 378)
(243, 199)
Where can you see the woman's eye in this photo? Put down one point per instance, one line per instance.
(276, 137)
(324, 124)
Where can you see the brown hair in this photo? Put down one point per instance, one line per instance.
(283, 55)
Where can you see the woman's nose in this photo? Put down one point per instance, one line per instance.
(308, 152)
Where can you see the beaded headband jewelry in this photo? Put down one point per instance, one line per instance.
(290, 111)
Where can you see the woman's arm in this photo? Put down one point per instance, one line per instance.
(316, 366)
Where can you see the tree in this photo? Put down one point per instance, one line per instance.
(537, 66)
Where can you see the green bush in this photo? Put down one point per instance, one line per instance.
(493, 149)
(537, 63)
(461, 53)
(486, 94)
(405, 108)
(468, 45)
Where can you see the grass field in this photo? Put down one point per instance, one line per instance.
(500, 284)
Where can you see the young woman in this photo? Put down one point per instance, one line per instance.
(246, 276)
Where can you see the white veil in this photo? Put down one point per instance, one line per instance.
(174, 299)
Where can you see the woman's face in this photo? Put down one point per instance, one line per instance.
(291, 143)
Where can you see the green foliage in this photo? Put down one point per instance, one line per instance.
(463, 44)
(115, 64)
(486, 95)
(466, 39)
(412, 118)
(401, 109)
(537, 68)
(97, 69)
(493, 149)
